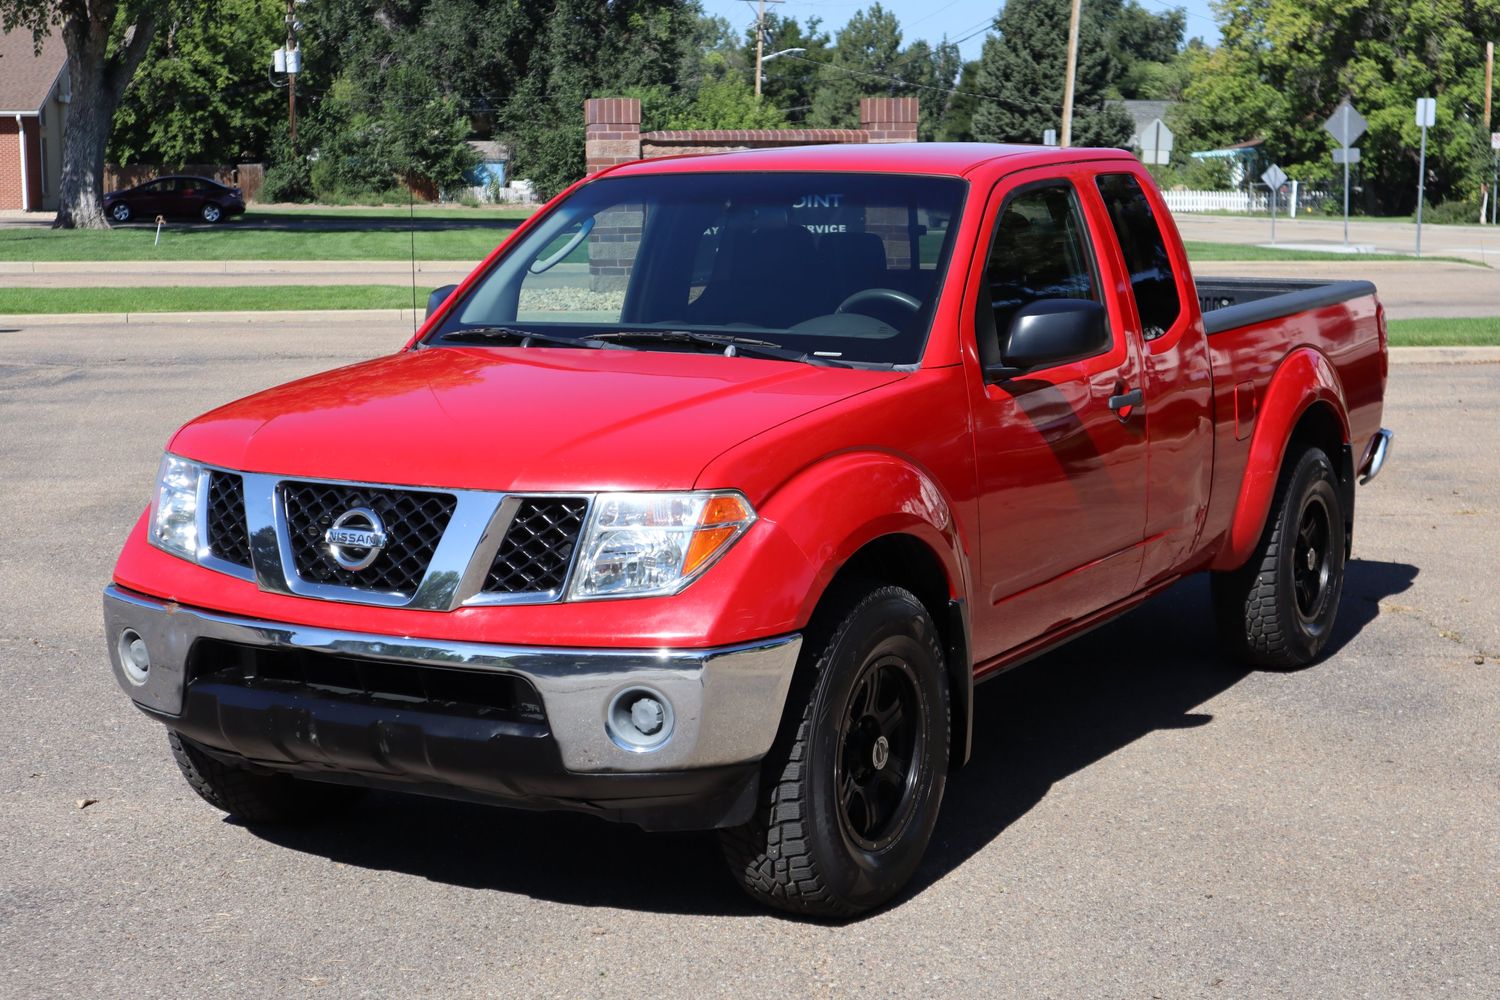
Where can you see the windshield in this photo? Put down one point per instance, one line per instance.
(842, 268)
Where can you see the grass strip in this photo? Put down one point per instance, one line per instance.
(1466, 332)
(239, 298)
(1197, 251)
(270, 236)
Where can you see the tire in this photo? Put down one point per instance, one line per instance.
(1278, 610)
(211, 213)
(120, 212)
(254, 797)
(810, 849)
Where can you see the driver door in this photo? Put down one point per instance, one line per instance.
(1061, 462)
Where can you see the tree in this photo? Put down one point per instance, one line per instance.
(866, 61)
(590, 49)
(106, 40)
(1284, 65)
(1144, 46)
(1022, 72)
(958, 121)
(200, 94)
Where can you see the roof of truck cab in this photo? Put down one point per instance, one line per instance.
(943, 158)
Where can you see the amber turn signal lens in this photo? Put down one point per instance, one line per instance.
(721, 520)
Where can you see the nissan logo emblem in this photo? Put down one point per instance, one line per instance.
(356, 538)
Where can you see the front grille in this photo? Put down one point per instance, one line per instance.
(228, 536)
(538, 546)
(414, 523)
(468, 693)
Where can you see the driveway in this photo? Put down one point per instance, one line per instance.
(1141, 819)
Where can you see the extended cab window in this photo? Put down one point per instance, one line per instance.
(1151, 277)
(1040, 251)
(834, 267)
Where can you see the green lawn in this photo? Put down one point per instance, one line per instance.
(276, 234)
(1483, 332)
(1246, 251)
(245, 298)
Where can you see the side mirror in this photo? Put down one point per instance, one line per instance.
(438, 297)
(1050, 332)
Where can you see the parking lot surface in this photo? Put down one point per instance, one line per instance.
(1140, 819)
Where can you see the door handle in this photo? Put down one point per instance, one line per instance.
(1125, 402)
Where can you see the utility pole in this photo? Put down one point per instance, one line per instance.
(1067, 111)
(291, 75)
(1489, 82)
(760, 38)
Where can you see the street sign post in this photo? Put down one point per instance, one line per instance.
(1494, 173)
(1273, 178)
(1426, 118)
(1156, 143)
(1346, 125)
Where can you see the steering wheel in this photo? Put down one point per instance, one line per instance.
(889, 295)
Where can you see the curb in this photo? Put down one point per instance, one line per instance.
(192, 318)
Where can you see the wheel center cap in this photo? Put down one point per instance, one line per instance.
(880, 753)
(1312, 559)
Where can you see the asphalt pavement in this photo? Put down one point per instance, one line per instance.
(1141, 819)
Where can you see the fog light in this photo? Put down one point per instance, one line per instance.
(639, 720)
(135, 658)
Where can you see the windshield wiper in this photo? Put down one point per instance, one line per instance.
(728, 343)
(525, 338)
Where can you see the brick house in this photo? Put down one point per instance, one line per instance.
(34, 94)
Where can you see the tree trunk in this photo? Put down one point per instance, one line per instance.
(85, 134)
(98, 79)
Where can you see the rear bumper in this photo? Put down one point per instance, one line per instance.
(725, 706)
(1378, 450)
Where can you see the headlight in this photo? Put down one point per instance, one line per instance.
(650, 544)
(174, 508)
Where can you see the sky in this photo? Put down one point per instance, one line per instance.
(932, 19)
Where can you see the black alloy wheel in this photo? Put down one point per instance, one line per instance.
(1311, 559)
(874, 772)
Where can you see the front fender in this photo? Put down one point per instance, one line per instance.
(1305, 378)
(836, 507)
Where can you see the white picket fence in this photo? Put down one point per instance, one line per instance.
(1215, 201)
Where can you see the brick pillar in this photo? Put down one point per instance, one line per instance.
(889, 119)
(612, 131)
(613, 136)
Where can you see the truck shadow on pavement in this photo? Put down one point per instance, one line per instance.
(1034, 726)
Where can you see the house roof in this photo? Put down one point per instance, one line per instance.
(26, 78)
(490, 151)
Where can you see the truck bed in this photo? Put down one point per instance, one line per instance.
(1228, 303)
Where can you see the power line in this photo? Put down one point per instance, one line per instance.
(923, 86)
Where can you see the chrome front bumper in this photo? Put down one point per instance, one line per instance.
(726, 701)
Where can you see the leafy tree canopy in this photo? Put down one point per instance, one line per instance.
(1021, 78)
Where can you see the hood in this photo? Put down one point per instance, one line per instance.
(517, 418)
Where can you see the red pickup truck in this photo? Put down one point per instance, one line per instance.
(704, 502)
